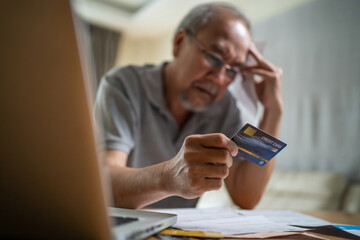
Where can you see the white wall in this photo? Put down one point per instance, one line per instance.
(317, 45)
(133, 50)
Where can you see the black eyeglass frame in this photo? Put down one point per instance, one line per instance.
(216, 61)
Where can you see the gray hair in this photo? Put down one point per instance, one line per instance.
(201, 15)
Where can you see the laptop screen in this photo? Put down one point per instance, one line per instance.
(50, 177)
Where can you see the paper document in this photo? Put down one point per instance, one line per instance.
(286, 217)
(237, 225)
(196, 214)
(299, 235)
(225, 220)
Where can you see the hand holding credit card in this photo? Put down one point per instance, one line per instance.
(257, 146)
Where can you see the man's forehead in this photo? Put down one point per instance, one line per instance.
(227, 37)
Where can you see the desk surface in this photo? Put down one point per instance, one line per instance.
(337, 217)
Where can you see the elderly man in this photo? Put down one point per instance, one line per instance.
(167, 127)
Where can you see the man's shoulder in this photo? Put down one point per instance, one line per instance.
(128, 72)
(129, 77)
(135, 83)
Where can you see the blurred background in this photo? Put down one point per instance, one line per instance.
(316, 42)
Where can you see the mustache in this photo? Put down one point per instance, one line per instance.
(208, 87)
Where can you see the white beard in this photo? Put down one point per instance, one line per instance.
(188, 105)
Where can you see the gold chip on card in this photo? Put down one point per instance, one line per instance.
(249, 131)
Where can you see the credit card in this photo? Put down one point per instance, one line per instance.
(257, 146)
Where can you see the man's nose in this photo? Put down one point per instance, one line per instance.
(219, 75)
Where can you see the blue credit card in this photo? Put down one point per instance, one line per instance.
(257, 146)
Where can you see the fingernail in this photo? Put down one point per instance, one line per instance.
(235, 152)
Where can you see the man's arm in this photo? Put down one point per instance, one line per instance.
(247, 181)
(200, 165)
(134, 187)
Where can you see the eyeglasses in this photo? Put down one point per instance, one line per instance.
(216, 61)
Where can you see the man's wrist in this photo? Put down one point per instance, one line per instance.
(163, 180)
(275, 109)
(271, 121)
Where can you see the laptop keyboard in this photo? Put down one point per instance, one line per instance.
(122, 220)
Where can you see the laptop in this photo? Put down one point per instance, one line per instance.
(52, 184)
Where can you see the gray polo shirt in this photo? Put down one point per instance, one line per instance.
(131, 108)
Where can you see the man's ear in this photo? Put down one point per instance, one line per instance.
(178, 42)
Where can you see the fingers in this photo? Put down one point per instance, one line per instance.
(206, 178)
(208, 171)
(215, 156)
(262, 62)
(260, 72)
(197, 189)
(268, 88)
(212, 184)
(201, 164)
(214, 140)
(218, 157)
(276, 73)
(264, 68)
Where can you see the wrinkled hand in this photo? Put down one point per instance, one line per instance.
(269, 89)
(201, 164)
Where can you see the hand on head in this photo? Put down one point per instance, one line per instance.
(269, 89)
(200, 165)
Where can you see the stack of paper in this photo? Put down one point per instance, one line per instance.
(234, 223)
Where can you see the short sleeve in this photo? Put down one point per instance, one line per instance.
(115, 114)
